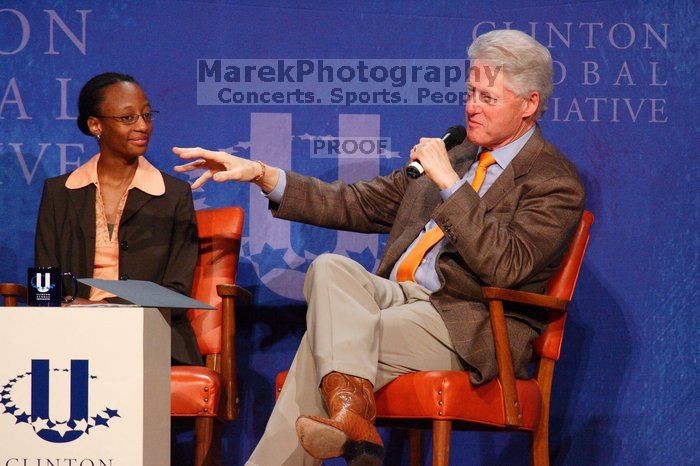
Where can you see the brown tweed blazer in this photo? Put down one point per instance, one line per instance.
(513, 237)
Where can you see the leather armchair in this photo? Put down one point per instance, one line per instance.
(210, 393)
(446, 400)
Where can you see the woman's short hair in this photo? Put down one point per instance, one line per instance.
(527, 64)
(92, 96)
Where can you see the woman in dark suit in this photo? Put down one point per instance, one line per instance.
(117, 216)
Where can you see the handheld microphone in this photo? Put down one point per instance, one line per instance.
(452, 137)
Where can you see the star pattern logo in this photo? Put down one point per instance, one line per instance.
(270, 259)
(40, 424)
(52, 429)
(111, 413)
(62, 428)
(366, 258)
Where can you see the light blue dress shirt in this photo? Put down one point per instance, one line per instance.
(426, 274)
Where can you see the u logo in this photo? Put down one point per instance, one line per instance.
(285, 273)
(78, 399)
(38, 382)
(45, 286)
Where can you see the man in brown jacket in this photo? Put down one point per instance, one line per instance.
(498, 210)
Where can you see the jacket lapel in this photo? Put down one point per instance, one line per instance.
(500, 187)
(462, 157)
(83, 202)
(136, 200)
(518, 167)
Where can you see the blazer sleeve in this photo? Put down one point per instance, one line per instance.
(46, 235)
(508, 255)
(184, 246)
(366, 206)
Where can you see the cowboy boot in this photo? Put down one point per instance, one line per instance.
(350, 431)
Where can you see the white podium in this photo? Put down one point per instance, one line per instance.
(84, 386)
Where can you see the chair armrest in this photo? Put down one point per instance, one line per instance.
(506, 375)
(12, 291)
(240, 295)
(522, 297)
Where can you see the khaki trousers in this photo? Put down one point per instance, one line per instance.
(359, 324)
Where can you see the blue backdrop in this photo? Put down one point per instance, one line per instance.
(624, 111)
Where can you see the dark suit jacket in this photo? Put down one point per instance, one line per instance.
(513, 237)
(157, 237)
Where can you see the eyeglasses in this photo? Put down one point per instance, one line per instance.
(132, 119)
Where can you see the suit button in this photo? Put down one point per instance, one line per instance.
(124, 245)
(123, 277)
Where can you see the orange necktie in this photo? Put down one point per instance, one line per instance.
(433, 236)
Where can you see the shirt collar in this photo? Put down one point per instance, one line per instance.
(147, 177)
(504, 155)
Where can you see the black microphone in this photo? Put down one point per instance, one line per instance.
(452, 137)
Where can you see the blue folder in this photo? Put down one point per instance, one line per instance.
(145, 294)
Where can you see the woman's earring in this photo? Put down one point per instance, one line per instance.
(98, 136)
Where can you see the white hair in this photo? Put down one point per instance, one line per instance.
(526, 63)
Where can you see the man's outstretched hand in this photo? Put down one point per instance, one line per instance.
(219, 166)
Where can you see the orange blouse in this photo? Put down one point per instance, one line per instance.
(148, 179)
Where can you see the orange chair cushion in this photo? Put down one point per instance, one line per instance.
(194, 391)
(450, 395)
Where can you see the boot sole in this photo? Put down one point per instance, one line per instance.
(362, 453)
(321, 440)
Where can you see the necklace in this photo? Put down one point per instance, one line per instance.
(112, 196)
